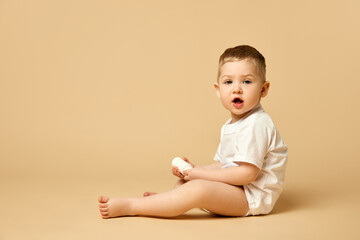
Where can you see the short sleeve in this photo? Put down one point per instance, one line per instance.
(252, 144)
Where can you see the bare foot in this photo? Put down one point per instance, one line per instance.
(114, 207)
(146, 194)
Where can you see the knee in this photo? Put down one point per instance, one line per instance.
(180, 182)
(200, 187)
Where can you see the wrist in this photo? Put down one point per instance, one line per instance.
(198, 166)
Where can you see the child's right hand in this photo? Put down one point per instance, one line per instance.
(176, 171)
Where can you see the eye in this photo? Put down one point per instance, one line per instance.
(228, 82)
(247, 81)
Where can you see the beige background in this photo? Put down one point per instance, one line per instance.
(97, 97)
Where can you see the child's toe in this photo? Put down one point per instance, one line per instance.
(103, 199)
(105, 214)
(103, 209)
(103, 205)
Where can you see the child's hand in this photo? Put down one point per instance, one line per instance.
(194, 173)
(176, 171)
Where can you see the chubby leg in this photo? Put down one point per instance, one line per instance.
(219, 198)
(178, 184)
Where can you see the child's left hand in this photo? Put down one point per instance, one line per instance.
(194, 173)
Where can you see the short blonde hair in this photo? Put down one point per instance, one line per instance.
(242, 52)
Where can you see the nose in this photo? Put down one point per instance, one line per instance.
(237, 88)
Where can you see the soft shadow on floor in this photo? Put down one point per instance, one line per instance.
(194, 214)
(198, 215)
(295, 199)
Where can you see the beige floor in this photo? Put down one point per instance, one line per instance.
(66, 208)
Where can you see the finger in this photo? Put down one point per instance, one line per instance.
(185, 159)
(177, 172)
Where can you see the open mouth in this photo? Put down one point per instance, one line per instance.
(237, 101)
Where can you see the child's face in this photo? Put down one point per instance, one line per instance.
(240, 87)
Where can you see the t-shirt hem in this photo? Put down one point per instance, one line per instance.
(249, 160)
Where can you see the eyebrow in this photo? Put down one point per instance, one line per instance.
(245, 75)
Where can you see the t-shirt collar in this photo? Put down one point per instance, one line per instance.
(255, 109)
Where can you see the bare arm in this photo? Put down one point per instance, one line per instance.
(176, 172)
(216, 165)
(244, 174)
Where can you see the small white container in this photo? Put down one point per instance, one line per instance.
(181, 164)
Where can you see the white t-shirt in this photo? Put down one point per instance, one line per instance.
(254, 139)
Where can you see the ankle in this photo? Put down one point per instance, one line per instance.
(131, 206)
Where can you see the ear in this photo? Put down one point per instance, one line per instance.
(265, 89)
(216, 86)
